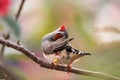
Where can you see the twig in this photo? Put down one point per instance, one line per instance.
(109, 29)
(6, 36)
(7, 73)
(4, 68)
(20, 8)
(18, 42)
(59, 67)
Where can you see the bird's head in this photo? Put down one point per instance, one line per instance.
(61, 32)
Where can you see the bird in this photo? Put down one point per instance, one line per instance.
(56, 48)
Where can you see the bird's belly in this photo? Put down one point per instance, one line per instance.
(50, 58)
(65, 60)
(62, 58)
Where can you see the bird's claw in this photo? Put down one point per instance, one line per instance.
(55, 61)
(54, 64)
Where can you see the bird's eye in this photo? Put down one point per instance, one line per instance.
(57, 36)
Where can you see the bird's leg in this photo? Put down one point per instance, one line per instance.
(55, 61)
(69, 67)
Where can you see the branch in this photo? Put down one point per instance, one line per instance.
(6, 36)
(4, 68)
(20, 8)
(59, 67)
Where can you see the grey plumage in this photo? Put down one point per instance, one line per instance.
(55, 45)
(49, 45)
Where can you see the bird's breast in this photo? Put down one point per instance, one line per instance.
(62, 58)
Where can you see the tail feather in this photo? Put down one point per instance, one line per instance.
(75, 51)
(80, 52)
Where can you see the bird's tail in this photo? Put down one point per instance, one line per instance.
(75, 51)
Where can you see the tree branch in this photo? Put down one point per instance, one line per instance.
(6, 36)
(4, 68)
(59, 67)
(20, 8)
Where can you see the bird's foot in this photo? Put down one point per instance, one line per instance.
(55, 61)
(54, 64)
(69, 69)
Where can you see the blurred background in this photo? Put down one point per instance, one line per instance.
(95, 25)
